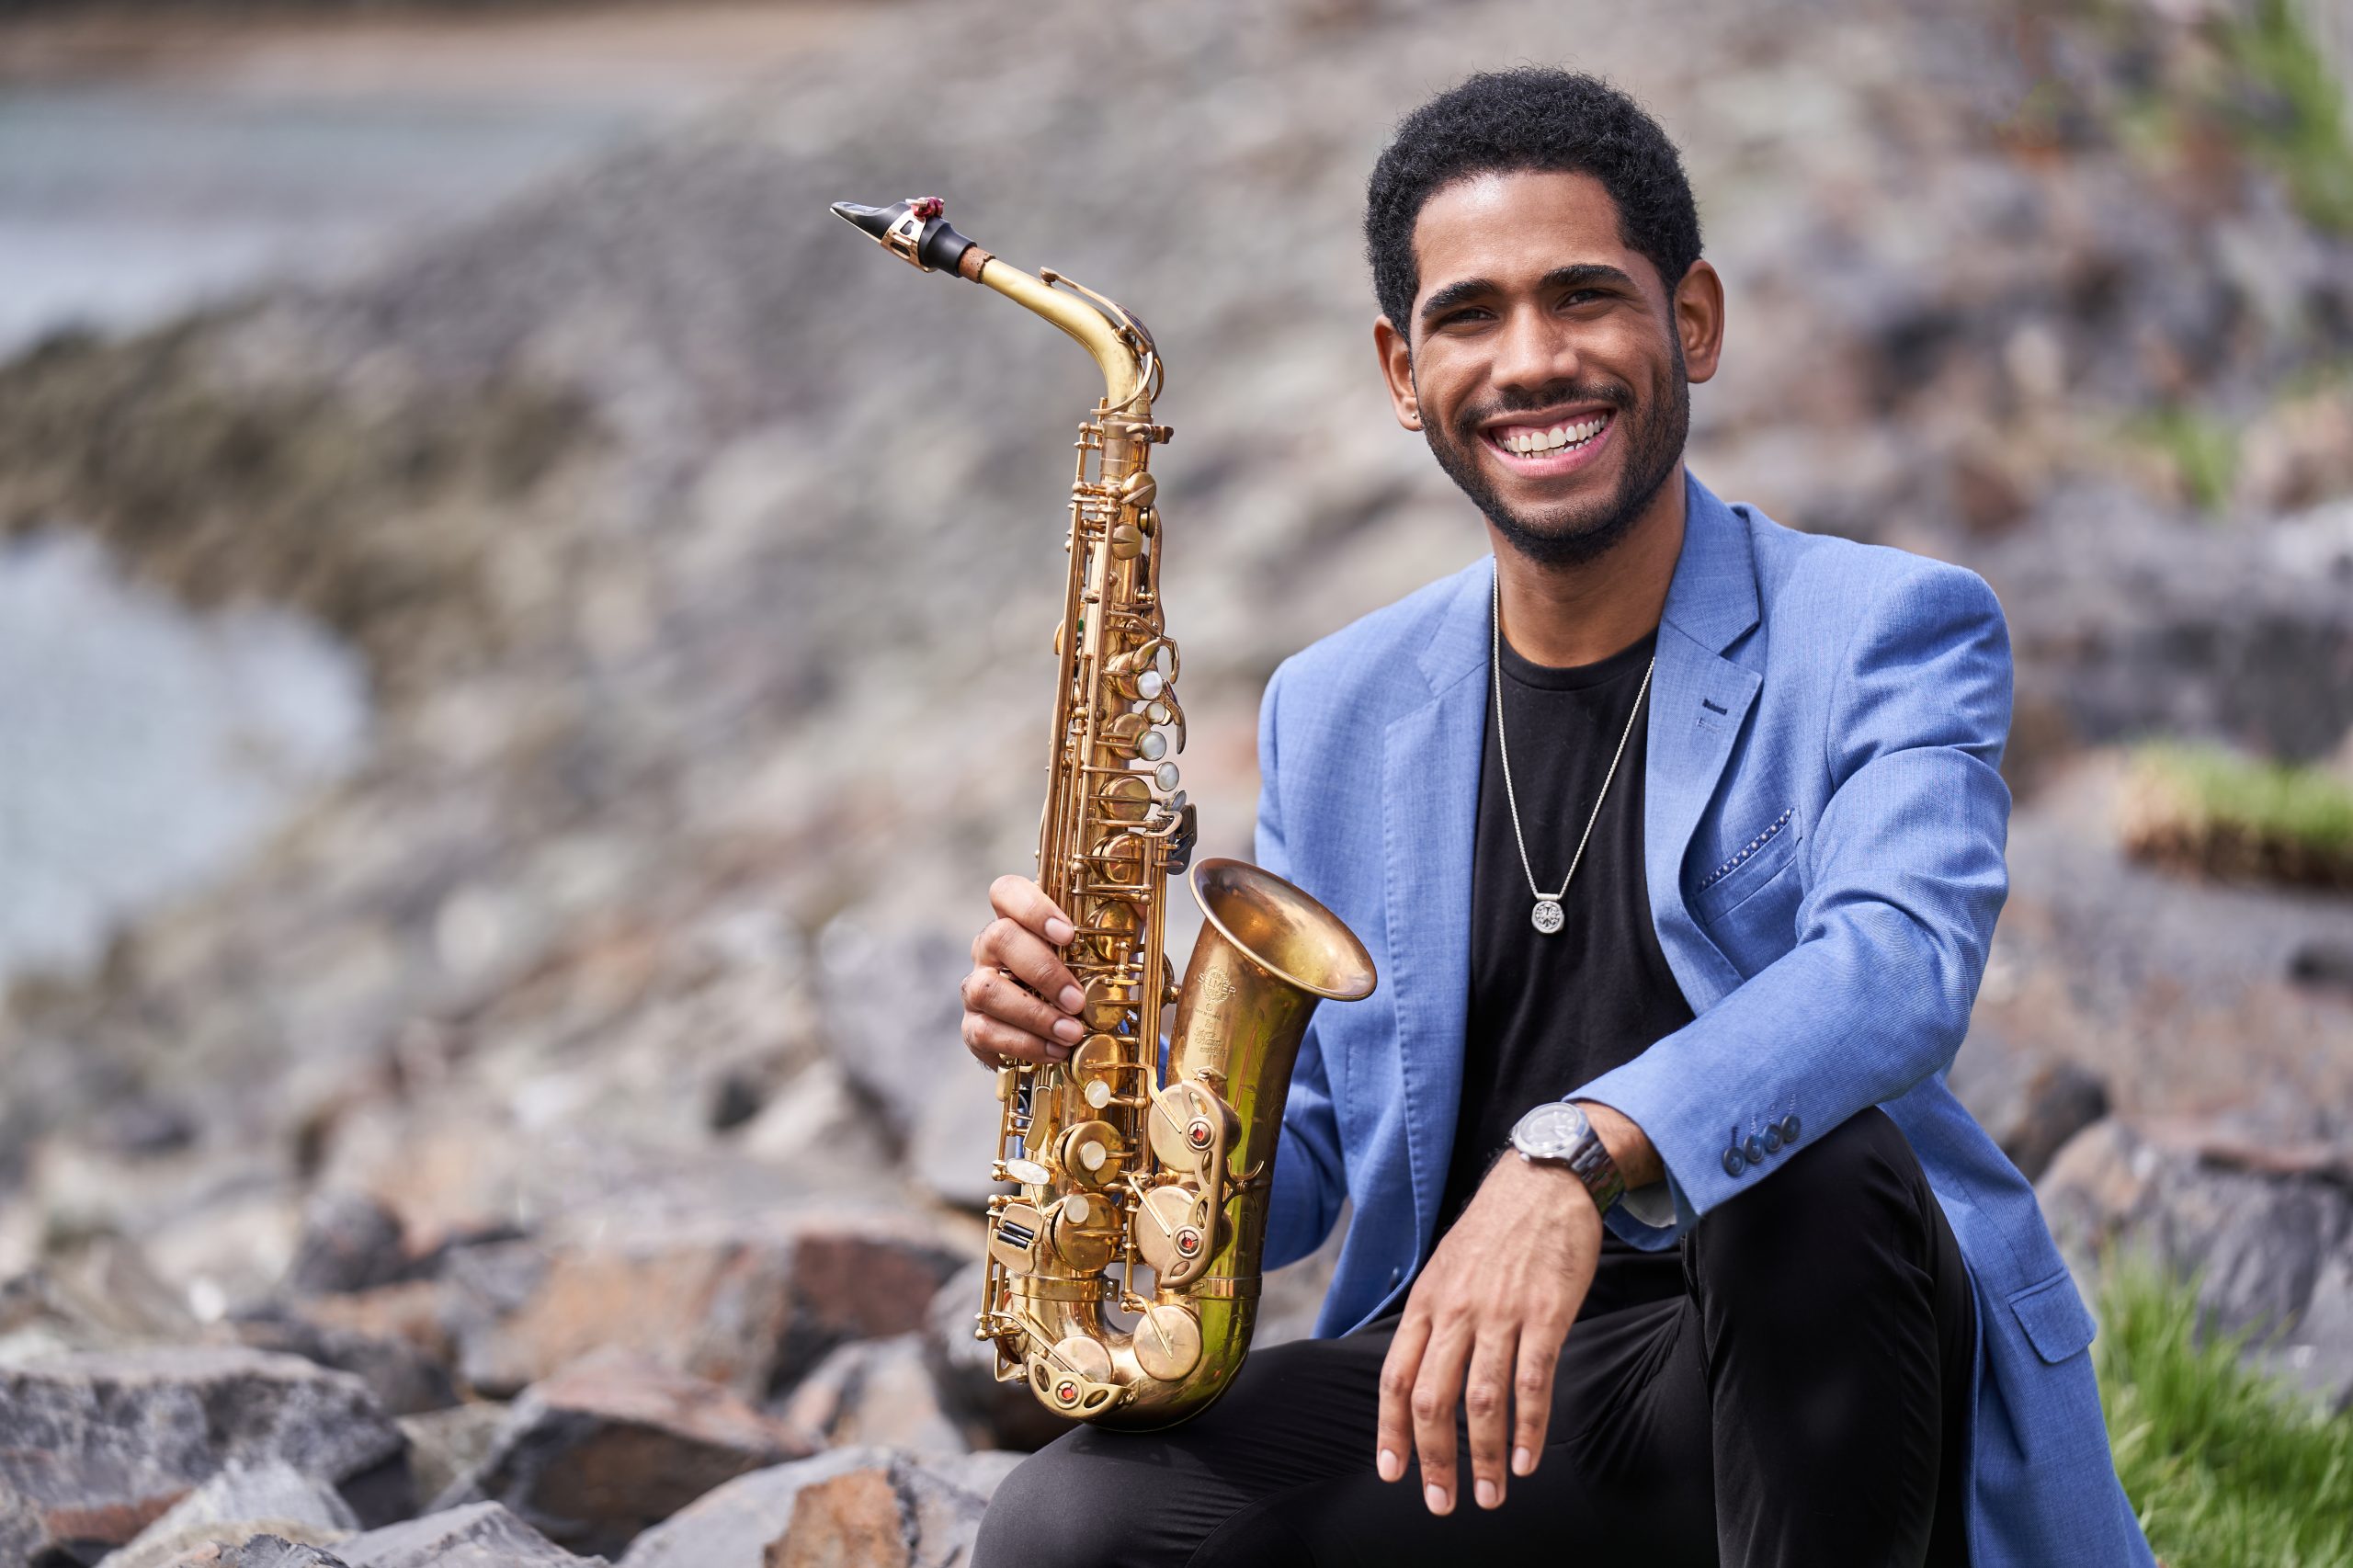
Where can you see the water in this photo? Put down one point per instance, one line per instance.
(144, 748)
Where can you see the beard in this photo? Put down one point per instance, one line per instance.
(1653, 430)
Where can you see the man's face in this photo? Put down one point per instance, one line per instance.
(1548, 366)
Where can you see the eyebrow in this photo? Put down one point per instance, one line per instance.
(1467, 289)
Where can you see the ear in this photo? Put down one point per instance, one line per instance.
(1700, 320)
(1397, 369)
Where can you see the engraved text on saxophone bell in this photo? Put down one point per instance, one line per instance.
(1140, 1188)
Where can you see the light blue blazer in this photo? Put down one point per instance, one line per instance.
(1823, 825)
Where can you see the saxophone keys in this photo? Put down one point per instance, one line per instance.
(1127, 541)
(1168, 1341)
(1126, 798)
(1092, 1153)
(1174, 1231)
(1074, 1378)
(1138, 490)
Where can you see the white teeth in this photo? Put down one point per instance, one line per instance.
(1544, 443)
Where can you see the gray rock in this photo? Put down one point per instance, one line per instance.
(403, 1378)
(100, 1296)
(2031, 1104)
(993, 1414)
(99, 1445)
(880, 1392)
(614, 1443)
(445, 1444)
(479, 1535)
(262, 1552)
(892, 1017)
(271, 1498)
(349, 1241)
(2273, 1247)
(925, 1511)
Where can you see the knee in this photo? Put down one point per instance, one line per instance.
(1040, 1517)
(1814, 1203)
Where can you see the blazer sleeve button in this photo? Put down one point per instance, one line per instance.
(1734, 1163)
(1754, 1149)
(1790, 1128)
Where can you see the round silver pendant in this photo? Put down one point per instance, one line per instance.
(1547, 916)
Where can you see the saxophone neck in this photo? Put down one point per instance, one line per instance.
(917, 231)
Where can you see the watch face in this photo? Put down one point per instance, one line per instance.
(1550, 1131)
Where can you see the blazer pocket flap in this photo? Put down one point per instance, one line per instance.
(2054, 1317)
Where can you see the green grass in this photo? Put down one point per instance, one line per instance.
(2293, 116)
(2204, 451)
(2205, 809)
(2227, 1468)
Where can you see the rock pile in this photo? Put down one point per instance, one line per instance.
(561, 1127)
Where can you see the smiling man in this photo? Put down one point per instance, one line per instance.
(1678, 838)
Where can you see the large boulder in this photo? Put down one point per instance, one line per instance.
(900, 1509)
(615, 1442)
(2267, 1230)
(101, 1444)
(751, 1304)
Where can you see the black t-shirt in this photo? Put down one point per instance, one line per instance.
(1551, 1012)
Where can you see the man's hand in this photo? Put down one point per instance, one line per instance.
(1496, 1300)
(1003, 1021)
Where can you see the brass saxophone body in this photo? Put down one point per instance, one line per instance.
(1124, 1168)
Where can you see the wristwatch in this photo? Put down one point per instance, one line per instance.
(1557, 1133)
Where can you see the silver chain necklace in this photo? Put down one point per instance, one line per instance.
(1547, 916)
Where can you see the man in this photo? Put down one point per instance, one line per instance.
(1677, 837)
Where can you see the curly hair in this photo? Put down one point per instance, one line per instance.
(1529, 119)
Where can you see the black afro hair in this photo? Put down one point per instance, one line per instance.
(1532, 117)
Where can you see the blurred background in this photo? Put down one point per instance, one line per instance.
(523, 641)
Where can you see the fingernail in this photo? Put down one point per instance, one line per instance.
(1388, 1466)
(1522, 1462)
(1069, 1029)
(1437, 1498)
(1059, 930)
(1488, 1496)
(1073, 999)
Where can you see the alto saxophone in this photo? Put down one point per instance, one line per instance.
(1123, 1167)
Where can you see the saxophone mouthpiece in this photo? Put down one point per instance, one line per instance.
(916, 232)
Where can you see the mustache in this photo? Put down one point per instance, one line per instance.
(1617, 394)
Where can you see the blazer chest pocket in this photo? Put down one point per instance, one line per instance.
(1754, 864)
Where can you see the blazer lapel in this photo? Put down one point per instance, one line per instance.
(1698, 699)
(1430, 803)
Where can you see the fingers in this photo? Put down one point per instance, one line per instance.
(1540, 1355)
(1002, 1021)
(1432, 1407)
(1005, 943)
(1486, 1401)
(1393, 1439)
(1022, 900)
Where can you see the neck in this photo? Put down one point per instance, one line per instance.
(1563, 615)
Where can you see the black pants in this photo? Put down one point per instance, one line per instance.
(1792, 1388)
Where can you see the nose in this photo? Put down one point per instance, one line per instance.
(1533, 352)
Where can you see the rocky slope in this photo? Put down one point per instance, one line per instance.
(701, 562)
